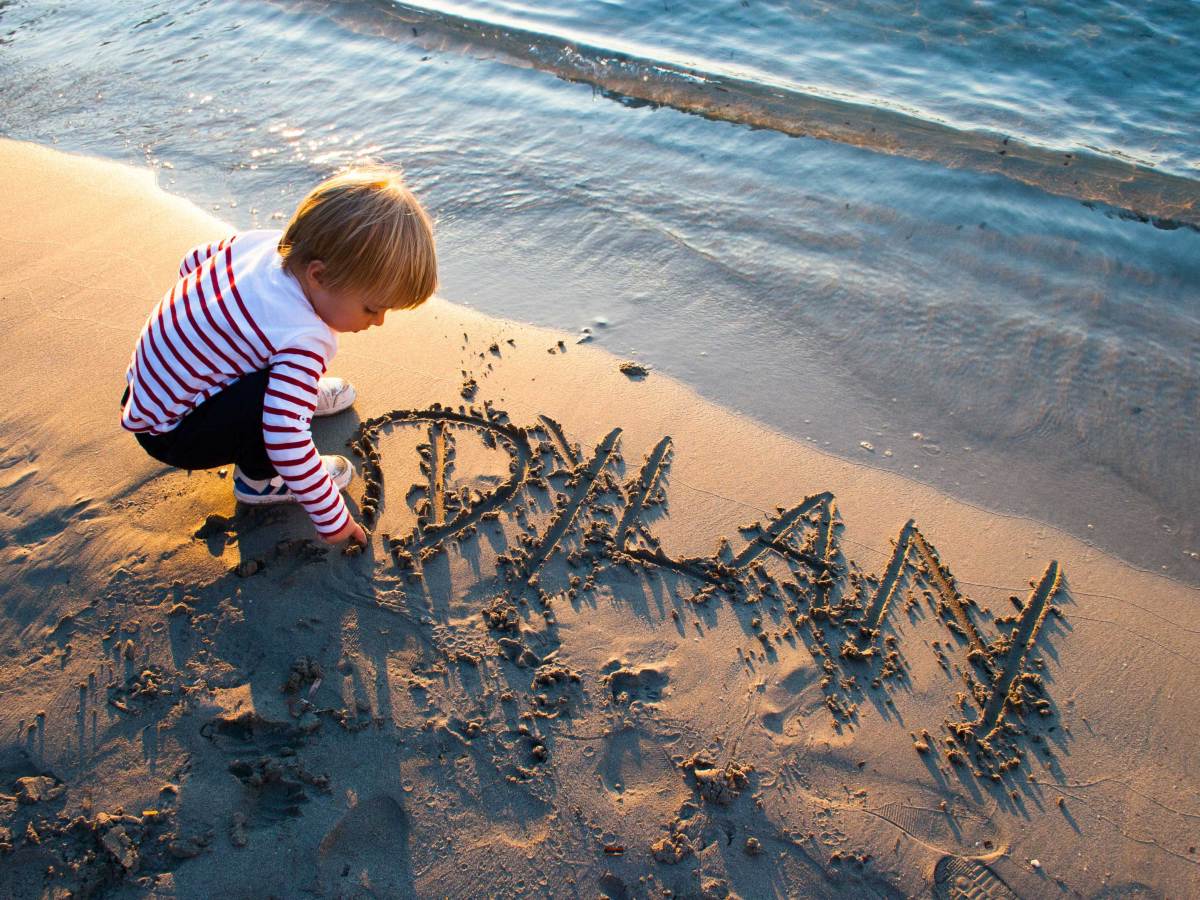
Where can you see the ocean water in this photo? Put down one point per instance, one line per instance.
(965, 234)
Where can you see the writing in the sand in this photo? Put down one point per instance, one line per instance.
(793, 561)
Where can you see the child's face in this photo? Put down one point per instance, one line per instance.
(344, 308)
(351, 310)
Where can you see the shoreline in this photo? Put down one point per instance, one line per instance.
(1109, 509)
(1130, 189)
(666, 720)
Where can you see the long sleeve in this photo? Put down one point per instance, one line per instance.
(288, 407)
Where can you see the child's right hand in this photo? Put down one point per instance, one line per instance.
(351, 530)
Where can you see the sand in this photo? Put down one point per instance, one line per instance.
(606, 639)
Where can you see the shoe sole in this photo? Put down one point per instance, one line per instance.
(264, 500)
(345, 401)
(289, 497)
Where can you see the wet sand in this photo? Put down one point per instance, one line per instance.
(607, 638)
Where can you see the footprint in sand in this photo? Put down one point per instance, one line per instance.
(629, 684)
(265, 761)
(955, 877)
(368, 845)
(787, 700)
(375, 827)
(956, 829)
(630, 762)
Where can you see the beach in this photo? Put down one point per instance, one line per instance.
(968, 240)
(607, 638)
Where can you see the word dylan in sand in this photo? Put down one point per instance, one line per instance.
(792, 560)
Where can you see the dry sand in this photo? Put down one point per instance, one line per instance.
(579, 657)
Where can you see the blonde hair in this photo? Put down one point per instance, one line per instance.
(371, 233)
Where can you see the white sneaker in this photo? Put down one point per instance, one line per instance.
(258, 492)
(333, 395)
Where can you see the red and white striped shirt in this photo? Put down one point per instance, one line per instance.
(235, 310)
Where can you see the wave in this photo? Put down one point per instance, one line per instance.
(1100, 180)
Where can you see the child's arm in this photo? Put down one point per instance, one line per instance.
(288, 406)
(195, 257)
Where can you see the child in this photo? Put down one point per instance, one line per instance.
(228, 367)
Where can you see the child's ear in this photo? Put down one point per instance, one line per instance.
(316, 271)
